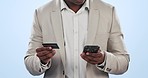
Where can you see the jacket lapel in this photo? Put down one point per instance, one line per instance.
(92, 24)
(58, 29)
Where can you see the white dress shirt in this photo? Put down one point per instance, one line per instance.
(75, 34)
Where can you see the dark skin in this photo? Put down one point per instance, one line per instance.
(46, 53)
(74, 5)
(93, 58)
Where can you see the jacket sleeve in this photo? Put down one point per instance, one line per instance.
(117, 58)
(32, 62)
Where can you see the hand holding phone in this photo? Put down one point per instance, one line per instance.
(93, 55)
(91, 48)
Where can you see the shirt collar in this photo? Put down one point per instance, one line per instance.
(64, 5)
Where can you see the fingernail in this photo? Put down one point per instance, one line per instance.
(50, 48)
(87, 53)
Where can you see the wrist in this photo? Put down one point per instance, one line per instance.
(103, 62)
(43, 62)
(102, 58)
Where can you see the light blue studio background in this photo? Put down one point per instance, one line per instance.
(16, 21)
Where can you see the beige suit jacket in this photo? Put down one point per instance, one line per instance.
(103, 30)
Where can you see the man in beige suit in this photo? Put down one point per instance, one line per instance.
(72, 24)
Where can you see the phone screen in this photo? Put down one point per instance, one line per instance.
(91, 48)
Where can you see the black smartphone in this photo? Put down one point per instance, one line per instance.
(53, 45)
(91, 48)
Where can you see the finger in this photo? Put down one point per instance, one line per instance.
(89, 60)
(43, 49)
(49, 48)
(53, 51)
(93, 59)
(93, 62)
(46, 48)
(86, 57)
(98, 54)
(43, 58)
(50, 55)
(96, 58)
(83, 56)
(39, 49)
(47, 56)
(43, 53)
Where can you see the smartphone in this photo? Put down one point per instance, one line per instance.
(53, 45)
(91, 48)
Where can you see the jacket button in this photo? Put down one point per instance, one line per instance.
(63, 73)
(108, 69)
